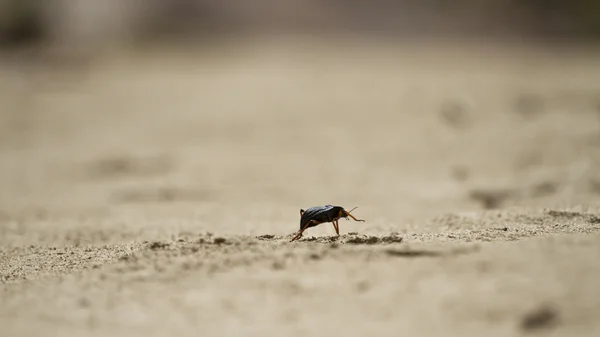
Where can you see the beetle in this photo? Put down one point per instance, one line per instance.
(314, 216)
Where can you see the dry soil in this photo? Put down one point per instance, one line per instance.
(155, 193)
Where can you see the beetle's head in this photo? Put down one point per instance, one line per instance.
(346, 214)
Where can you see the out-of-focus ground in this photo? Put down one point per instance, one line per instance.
(154, 191)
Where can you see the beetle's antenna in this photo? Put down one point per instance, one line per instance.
(350, 215)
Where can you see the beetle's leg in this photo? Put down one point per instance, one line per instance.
(336, 227)
(301, 231)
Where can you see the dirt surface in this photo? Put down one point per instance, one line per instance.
(156, 195)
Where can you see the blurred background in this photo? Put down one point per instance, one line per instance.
(91, 22)
(233, 115)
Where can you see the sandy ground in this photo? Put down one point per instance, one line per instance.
(156, 195)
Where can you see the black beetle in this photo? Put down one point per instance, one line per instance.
(315, 216)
